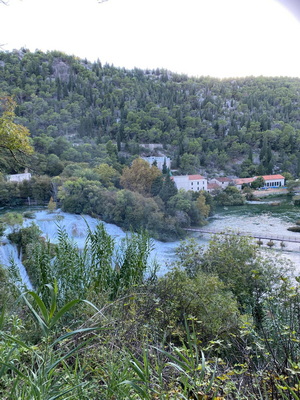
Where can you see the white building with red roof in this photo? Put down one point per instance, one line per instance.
(222, 181)
(271, 181)
(213, 187)
(190, 182)
(240, 182)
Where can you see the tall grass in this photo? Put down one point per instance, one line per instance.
(43, 372)
(100, 267)
(179, 373)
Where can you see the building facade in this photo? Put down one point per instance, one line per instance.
(213, 187)
(160, 161)
(190, 182)
(19, 177)
(271, 181)
(221, 181)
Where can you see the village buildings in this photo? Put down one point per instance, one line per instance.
(271, 181)
(198, 182)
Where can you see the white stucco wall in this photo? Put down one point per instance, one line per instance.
(19, 177)
(187, 183)
(159, 160)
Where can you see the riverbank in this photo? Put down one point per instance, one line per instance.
(262, 218)
(270, 192)
(258, 217)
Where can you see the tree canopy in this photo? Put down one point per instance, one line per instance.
(14, 138)
(246, 127)
(140, 176)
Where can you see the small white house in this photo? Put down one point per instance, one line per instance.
(19, 177)
(160, 161)
(190, 182)
(213, 187)
(222, 181)
(273, 181)
(240, 182)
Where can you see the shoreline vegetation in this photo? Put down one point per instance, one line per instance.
(146, 338)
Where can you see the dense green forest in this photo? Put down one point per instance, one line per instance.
(89, 121)
(204, 122)
(99, 323)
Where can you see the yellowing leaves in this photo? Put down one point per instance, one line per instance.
(139, 177)
(13, 137)
(202, 206)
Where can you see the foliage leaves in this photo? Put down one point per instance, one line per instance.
(13, 137)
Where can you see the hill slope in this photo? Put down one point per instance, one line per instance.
(241, 126)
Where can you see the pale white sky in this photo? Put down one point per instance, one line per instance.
(220, 38)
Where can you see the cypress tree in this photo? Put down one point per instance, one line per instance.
(168, 189)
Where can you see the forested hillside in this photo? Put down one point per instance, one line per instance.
(241, 126)
(89, 122)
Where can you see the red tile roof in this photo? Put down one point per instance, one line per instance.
(223, 179)
(213, 186)
(195, 177)
(241, 181)
(272, 177)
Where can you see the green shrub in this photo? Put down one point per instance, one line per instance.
(29, 214)
(294, 229)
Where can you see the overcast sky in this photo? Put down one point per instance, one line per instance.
(220, 38)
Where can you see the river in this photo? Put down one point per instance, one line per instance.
(268, 217)
(255, 217)
(76, 226)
